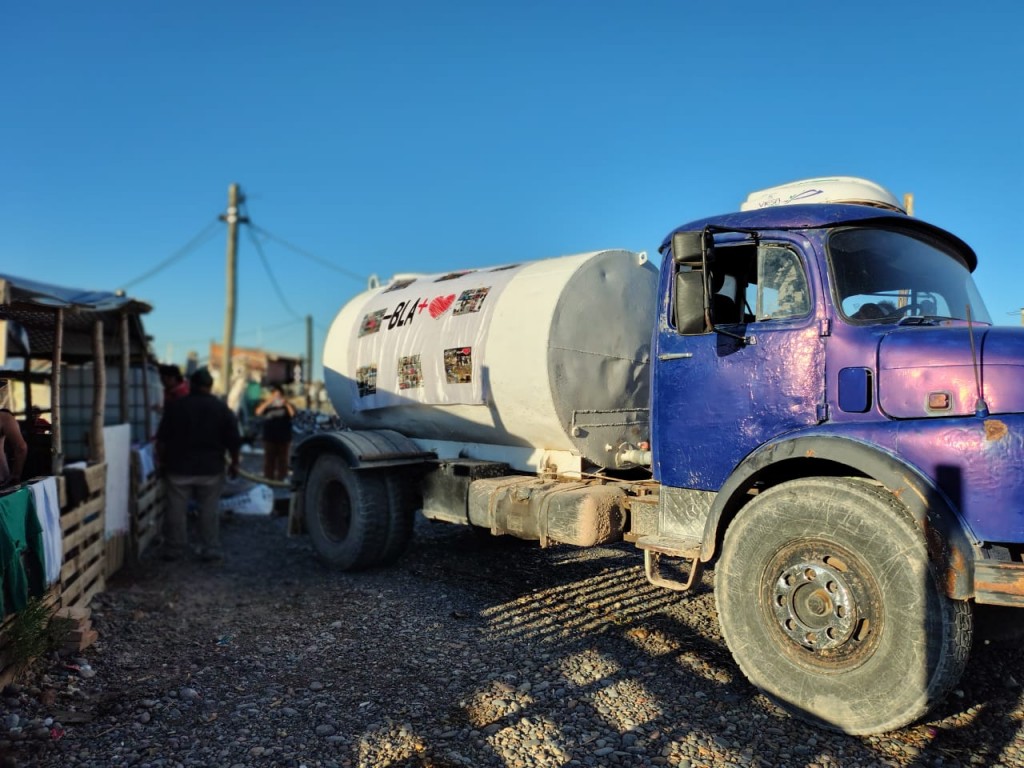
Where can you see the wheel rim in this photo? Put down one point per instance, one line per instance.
(335, 511)
(824, 603)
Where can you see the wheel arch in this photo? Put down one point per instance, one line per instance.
(948, 538)
(361, 449)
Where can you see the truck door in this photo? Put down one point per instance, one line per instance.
(758, 374)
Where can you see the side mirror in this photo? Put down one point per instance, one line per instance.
(692, 247)
(691, 253)
(689, 302)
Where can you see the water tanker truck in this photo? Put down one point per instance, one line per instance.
(808, 396)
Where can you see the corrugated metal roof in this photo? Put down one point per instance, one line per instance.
(29, 306)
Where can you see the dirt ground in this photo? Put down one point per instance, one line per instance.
(469, 651)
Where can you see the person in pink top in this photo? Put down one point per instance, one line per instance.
(175, 386)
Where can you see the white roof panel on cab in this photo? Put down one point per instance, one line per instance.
(829, 189)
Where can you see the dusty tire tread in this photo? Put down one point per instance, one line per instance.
(402, 504)
(368, 501)
(869, 517)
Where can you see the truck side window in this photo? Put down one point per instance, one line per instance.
(781, 288)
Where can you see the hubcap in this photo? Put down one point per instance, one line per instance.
(814, 606)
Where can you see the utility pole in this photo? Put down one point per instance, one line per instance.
(309, 362)
(232, 218)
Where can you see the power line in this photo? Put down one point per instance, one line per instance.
(307, 254)
(273, 330)
(269, 330)
(270, 274)
(192, 244)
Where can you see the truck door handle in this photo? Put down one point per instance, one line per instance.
(675, 356)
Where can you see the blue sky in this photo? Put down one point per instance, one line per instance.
(427, 136)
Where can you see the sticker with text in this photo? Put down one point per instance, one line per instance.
(470, 301)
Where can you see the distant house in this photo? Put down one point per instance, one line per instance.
(256, 365)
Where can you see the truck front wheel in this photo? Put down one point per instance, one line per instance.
(848, 626)
(346, 514)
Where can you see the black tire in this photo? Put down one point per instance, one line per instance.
(829, 605)
(346, 514)
(403, 501)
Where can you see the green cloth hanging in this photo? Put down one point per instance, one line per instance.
(22, 571)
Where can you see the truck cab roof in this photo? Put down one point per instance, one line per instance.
(813, 216)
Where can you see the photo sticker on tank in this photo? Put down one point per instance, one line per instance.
(366, 380)
(372, 322)
(470, 301)
(410, 372)
(458, 365)
(399, 285)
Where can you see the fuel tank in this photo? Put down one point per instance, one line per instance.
(550, 354)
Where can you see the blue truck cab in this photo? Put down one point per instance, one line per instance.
(838, 426)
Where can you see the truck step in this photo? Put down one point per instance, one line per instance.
(673, 547)
(655, 547)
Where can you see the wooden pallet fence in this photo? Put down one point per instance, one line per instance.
(10, 665)
(116, 552)
(147, 496)
(83, 573)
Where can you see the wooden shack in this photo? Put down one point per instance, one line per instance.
(80, 375)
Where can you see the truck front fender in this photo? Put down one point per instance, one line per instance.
(950, 542)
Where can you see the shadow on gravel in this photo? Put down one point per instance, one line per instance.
(651, 665)
(479, 652)
(980, 723)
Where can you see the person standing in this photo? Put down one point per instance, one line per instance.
(277, 415)
(236, 398)
(11, 442)
(175, 386)
(195, 434)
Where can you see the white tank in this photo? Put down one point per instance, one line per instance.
(550, 355)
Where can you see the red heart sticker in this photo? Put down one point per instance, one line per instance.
(439, 305)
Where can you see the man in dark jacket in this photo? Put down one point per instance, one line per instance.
(195, 434)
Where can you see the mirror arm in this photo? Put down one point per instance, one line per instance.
(739, 337)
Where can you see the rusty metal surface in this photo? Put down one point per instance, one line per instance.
(998, 583)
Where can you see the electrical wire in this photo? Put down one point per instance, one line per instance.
(307, 254)
(238, 334)
(273, 280)
(191, 245)
(278, 327)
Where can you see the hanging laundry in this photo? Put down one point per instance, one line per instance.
(21, 550)
(48, 511)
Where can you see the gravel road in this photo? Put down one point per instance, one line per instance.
(470, 651)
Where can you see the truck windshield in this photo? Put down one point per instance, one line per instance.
(888, 276)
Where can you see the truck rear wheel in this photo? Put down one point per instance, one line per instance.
(849, 626)
(346, 514)
(403, 501)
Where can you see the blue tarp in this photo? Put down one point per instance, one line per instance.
(28, 291)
